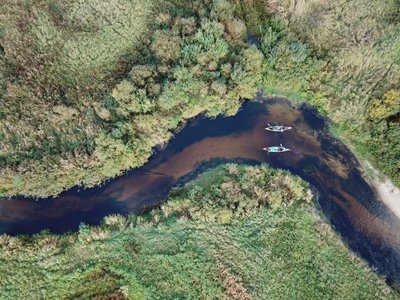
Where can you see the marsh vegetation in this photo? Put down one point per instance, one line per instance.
(342, 57)
(88, 88)
(208, 241)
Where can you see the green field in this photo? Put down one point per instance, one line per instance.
(236, 232)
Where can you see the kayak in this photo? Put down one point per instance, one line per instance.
(276, 149)
(277, 128)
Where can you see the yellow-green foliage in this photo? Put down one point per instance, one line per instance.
(379, 138)
(216, 238)
(58, 58)
(356, 42)
(92, 86)
(341, 56)
(108, 30)
(236, 192)
(386, 107)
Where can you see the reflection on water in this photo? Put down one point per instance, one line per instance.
(347, 200)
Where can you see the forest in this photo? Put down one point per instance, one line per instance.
(88, 88)
(206, 242)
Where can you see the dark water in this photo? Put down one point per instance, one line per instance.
(350, 204)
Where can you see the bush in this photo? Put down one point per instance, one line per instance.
(92, 72)
(201, 244)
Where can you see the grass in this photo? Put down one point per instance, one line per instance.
(199, 245)
(91, 87)
(58, 60)
(88, 88)
(340, 57)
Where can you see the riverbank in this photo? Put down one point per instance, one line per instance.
(384, 187)
(206, 242)
(187, 60)
(388, 193)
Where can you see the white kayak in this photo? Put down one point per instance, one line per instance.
(277, 128)
(276, 149)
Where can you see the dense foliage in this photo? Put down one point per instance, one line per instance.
(87, 91)
(87, 88)
(237, 232)
(57, 58)
(343, 57)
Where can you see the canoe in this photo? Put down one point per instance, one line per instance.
(276, 149)
(277, 128)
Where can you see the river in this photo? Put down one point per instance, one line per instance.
(351, 206)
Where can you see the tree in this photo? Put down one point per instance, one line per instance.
(236, 30)
(166, 46)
